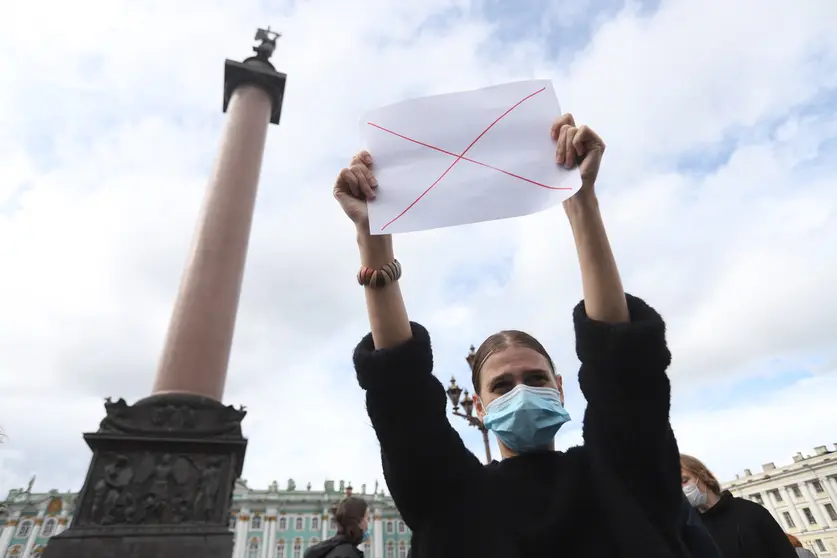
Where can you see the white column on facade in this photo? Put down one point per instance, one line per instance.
(33, 535)
(263, 549)
(801, 524)
(325, 520)
(768, 503)
(269, 539)
(63, 519)
(378, 535)
(813, 505)
(6, 535)
(242, 528)
(832, 492)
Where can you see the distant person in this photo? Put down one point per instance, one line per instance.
(740, 527)
(801, 551)
(352, 518)
(618, 495)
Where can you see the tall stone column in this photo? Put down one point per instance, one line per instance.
(163, 470)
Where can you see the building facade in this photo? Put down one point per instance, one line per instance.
(273, 523)
(801, 496)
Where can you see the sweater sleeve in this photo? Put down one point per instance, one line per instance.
(626, 425)
(774, 541)
(424, 459)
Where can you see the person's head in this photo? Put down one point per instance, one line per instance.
(352, 518)
(699, 484)
(509, 364)
(794, 541)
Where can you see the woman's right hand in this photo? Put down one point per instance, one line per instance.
(355, 185)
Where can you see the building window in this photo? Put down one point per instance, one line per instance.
(390, 550)
(332, 524)
(389, 528)
(280, 548)
(231, 523)
(256, 522)
(253, 549)
(298, 524)
(402, 550)
(817, 486)
(24, 529)
(829, 509)
(367, 550)
(788, 520)
(315, 523)
(401, 527)
(314, 540)
(776, 495)
(809, 516)
(283, 523)
(49, 527)
(796, 492)
(820, 545)
(758, 499)
(298, 548)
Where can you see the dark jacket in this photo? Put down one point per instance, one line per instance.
(744, 529)
(618, 495)
(335, 547)
(696, 536)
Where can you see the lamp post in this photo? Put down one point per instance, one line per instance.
(458, 398)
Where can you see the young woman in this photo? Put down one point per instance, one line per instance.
(352, 518)
(741, 528)
(617, 495)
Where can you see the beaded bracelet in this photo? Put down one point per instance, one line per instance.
(377, 278)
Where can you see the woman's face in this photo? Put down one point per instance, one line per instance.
(686, 477)
(507, 368)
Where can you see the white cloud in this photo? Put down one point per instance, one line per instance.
(111, 117)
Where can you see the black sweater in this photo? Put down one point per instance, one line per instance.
(617, 495)
(744, 529)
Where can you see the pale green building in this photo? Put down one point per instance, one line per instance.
(272, 523)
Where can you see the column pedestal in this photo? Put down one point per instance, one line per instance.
(160, 482)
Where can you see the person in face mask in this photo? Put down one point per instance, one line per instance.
(352, 518)
(617, 495)
(740, 527)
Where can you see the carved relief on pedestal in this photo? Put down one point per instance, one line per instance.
(155, 489)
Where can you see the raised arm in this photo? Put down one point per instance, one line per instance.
(423, 457)
(621, 344)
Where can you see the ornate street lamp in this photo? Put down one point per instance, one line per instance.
(458, 398)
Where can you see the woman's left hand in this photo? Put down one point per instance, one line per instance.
(578, 145)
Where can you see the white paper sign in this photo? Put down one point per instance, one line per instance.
(465, 158)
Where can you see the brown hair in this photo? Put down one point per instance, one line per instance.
(794, 541)
(349, 514)
(696, 467)
(501, 341)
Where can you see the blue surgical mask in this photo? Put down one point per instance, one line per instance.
(365, 536)
(526, 418)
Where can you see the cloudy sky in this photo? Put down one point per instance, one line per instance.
(718, 189)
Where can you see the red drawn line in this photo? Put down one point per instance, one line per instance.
(486, 165)
(461, 156)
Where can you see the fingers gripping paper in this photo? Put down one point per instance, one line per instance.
(465, 158)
